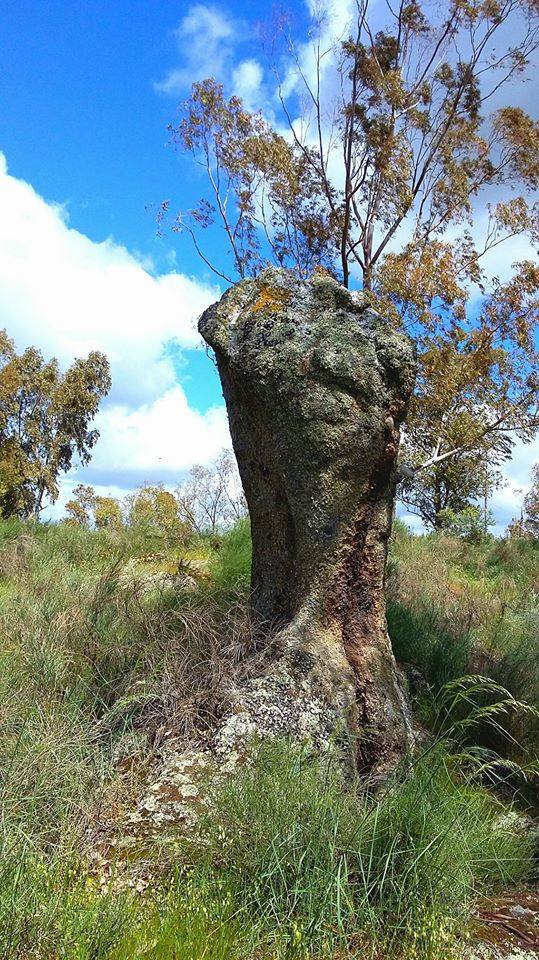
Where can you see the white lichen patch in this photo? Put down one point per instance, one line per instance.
(173, 796)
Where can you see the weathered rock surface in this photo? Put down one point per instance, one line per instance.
(506, 928)
(316, 386)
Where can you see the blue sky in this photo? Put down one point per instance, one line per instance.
(87, 89)
(82, 119)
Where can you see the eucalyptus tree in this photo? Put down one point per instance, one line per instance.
(45, 423)
(396, 159)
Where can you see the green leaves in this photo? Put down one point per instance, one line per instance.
(45, 418)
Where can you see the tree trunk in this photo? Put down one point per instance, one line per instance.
(316, 386)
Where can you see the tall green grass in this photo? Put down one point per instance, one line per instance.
(232, 565)
(456, 608)
(424, 638)
(99, 656)
(51, 907)
(320, 864)
(288, 862)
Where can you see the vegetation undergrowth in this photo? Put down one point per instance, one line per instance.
(457, 608)
(336, 870)
(105, 646)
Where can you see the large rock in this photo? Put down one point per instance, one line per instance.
(316, 385)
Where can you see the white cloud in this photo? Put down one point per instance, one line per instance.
(67, 295)
(205, 40)
(165, 436)
(411, 520)
(70, 295)
(518, 469)
(336, 15)
(247, 83)
(506, 503)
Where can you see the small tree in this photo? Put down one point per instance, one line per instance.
(107, 513)
(80, 509)
(451, 486)
(45, 418)
(88, 508)
(469, 524)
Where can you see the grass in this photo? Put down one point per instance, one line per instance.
(106, 645)
(192, 918)
(232, 564)
(456, 608)
(396, 873)
(287, 863)
(51, 907)
(425, 638)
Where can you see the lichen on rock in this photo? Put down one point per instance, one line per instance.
(316, 386)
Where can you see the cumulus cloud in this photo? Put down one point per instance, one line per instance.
(506, 502)
(67, 295)
(164, 437)
(70, 295)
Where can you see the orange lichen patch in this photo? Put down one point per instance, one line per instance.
(270, 299)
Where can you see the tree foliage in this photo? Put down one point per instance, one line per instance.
(390, 140)
(80, 508)
(477, 388)
(156, 513)
(87, 508)
(45, 422)
(390, 124)
(470, 523)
